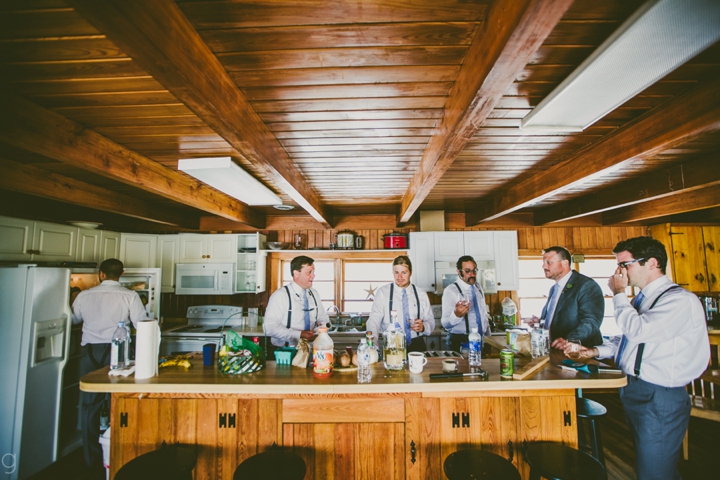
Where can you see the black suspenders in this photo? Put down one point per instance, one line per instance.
(467, 323)
(641, 347)
(417, 299)
(289, 317)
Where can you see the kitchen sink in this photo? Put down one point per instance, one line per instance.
(345, 329)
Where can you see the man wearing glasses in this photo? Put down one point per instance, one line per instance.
(295, 310)
(575, 307)
(463, 305)
(664, 347)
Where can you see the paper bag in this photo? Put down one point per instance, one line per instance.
(303, 354)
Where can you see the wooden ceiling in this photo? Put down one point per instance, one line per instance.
(341, 108)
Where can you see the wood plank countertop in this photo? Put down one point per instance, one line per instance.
(285, 380)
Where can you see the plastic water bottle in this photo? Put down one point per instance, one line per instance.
(363, 359)
(475, 348)
(538, 342)
(120, 347)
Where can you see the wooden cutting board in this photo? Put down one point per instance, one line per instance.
(532, 367)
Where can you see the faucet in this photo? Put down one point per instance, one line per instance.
(337, 313)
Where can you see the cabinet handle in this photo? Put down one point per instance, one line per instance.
(710, 246)
(412, 452)
(713, 279)
(700, 277)
(511, 451)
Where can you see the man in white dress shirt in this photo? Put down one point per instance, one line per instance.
(414, 314)
(664, 347)
(463, 305)
(295, 310)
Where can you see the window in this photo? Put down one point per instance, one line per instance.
(324, 281)
(534, 287)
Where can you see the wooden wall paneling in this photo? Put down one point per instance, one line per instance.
(208, 452)
(711, 238)
(422, 426)
(125, 445)
(148, 419)
(228, 439)
(498, 425)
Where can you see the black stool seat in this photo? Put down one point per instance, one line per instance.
(559, 462)
(169, 462)
(478, 464)
(272, 464)
(591, 411)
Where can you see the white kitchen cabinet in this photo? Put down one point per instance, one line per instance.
(168, 251)
(449, 246)
(54, 242)
(506, 260)
(138, 250)
(422, 256)
(479, 245)
(109, 245)
(88, 245)
(250, 263)
(16, 237)
(211, 248)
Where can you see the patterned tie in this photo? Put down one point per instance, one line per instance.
(406, 318)
(550, 306)
(306, 310)
(623, 342)
(476, 309)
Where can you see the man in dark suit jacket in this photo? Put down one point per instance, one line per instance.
(575, 308)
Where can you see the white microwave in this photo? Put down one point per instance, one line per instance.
(446, 274)
(204, 278)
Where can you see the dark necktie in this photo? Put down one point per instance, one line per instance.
(476, 309)
(406, 318)
(623, 342)
(306, 310)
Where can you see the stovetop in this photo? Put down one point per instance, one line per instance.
(208, 320)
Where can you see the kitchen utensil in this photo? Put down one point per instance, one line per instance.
(346, 240)
(395, 240)
(480, 373)
(277, 245)
(359, 242)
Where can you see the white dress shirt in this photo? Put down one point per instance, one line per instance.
(101, 308)
(379, 319)
(674, 332)
(275, 321)
(451, 296)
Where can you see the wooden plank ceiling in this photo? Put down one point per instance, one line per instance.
(341, 108)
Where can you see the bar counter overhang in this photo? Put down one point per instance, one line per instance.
(401, 425)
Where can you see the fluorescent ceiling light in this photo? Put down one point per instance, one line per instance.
(655, 40)
(225, 175)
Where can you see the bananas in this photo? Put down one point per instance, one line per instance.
(175, 361)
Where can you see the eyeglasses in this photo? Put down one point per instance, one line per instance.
(468, 271)
(629, 262)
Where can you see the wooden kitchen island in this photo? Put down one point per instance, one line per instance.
(401, 425)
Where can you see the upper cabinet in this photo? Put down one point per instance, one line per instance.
(25, 240)
(198, 248)
(168, 251)
(693, 255)
(97, 245)
(138, 250)
(250, 263)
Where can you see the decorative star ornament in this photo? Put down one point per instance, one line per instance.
(370, 293)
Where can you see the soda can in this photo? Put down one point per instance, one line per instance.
(507, 363)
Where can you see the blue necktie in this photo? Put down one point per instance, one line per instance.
(406, 318)
(476, 309)
(623, 342)
(306, 310)
(550, 307)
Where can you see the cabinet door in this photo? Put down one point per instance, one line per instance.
(167, 254)
(54, 242)
(109, 245)
(449, 246)
(711, 236)
(193, 248)
(88, 245)
(221, 248)
(422, 256)
(506, 260)
(480, 245)
(15, 238)
(688, 252)
(138, 251)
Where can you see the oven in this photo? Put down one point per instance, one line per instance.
(205, 325)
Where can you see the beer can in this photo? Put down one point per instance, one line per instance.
(507, 363)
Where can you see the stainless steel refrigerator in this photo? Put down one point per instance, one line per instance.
(35, 323)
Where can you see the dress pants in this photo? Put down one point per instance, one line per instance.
(658, 418)
(94, 356)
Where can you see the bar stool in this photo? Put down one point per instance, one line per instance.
(478, 464)
(272, 464)
(591, 411)
(559, 462)
(169, 462)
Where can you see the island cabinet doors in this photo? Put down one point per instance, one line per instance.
(502, 424)
(223, 431)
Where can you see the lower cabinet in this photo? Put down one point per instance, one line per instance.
(347, 437)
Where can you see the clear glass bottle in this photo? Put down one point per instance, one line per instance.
(394, 350)
(538, 342)
(374, 353)
(323, 354)
(120, 347)
(474, 348)
(364, 374)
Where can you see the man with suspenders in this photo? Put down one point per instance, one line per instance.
(414, 314)
(463, 305)
(295, 310)
(664, 346)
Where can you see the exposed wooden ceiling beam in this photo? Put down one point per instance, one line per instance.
(508, 37)
(674, 123)
(33, 128)
(159, 37)
(17, 177)
(695, 200)
(675, 180)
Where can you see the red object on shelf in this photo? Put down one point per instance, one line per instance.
(395, 240)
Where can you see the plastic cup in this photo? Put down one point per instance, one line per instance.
(209, 354)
